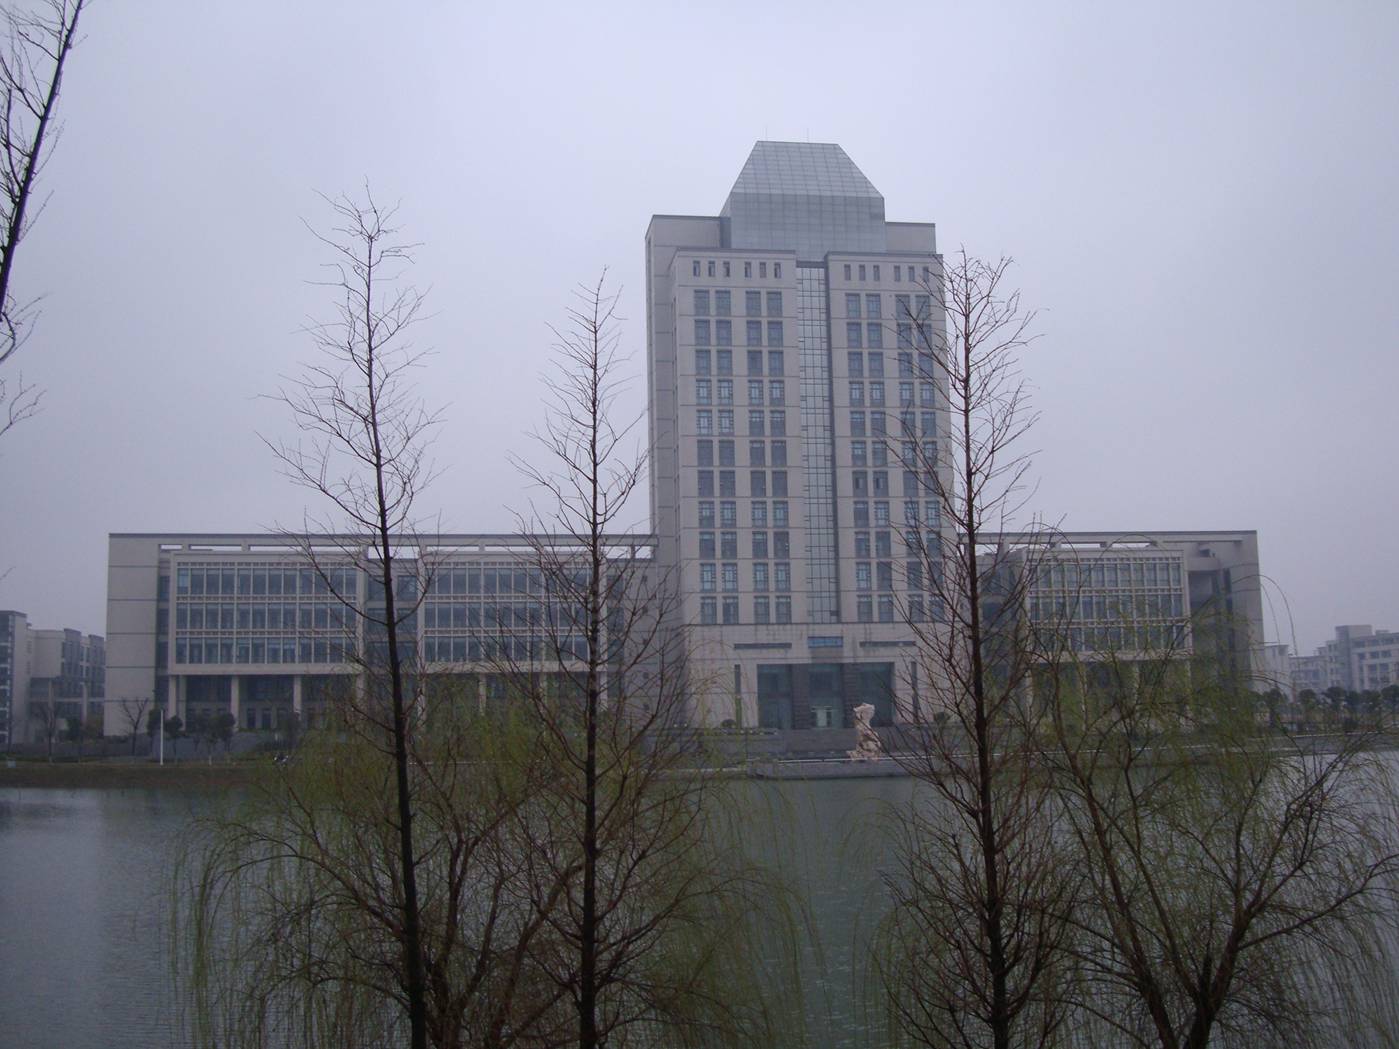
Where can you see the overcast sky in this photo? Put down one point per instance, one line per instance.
(1199, 197)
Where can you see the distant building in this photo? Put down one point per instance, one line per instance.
(66, 668)
(1358, 659)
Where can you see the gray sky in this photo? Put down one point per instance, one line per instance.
(1200, 197)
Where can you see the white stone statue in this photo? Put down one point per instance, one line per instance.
(867, 745)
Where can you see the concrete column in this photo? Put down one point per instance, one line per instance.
(296, 694)
(235, 701)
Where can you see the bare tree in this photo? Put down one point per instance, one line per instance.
(973, 948)
(1231, 873)
(623, 848)
(45, 713)
(133, 712)
(38, 41)
(365, 437)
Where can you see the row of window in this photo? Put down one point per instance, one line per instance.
(758, 486)
(1106, 606)
(728, 514)
(234, 580)
(722, 362)
(765, 610)
(306, 616)
(728, 545)
(725, 267)
(488, 649)
(722, 333)
(900, 271)
(263, 650)
(725, 576)
(757, 453)
(514, 615)
(721, 391)
(723, 303)
(912, 455)
(721, 421)
(1110, 573)
(862, 364)
(915, 308)
(874, 424)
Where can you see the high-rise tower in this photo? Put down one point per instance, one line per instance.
(787, 381)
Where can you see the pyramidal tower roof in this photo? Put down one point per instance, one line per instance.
(807, 197)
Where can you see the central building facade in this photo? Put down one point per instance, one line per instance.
(789, 343)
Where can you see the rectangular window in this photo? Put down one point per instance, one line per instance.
(864, 610)
(723, 333)
(928, 423)
(728, 545)
(905, 394)
(704, 453)
(726, 453)
(755, 362)
(862, 271)
(874, 335)
(701, 303)
(760, 540)
(862, 513)
(778, 422)
(760, 610)
(755, 391)
(852, 304)
(862, 544)
(694, 267)
(877, 424)
(855, 364)
(876, 395)
(876, 271)
(777, 392)
(872, 303)
(783, 608)
(706, 546)
(862, 575)
(726, 268)
(875, 365)
(857, 394)
(898, 274)
(779, 484)
(730, 578)
(906, 340)
(857, 453)
(755, 422)
(728, 514)
(760, 518)
(730, 608)
(707, 578)
(781, 544)
(777, 269)
(753, 336)
(903, 308)
(885, 575)
(775, 333)
(724, 362)
(854, 335)
(701, 362)
(847, 270)
(706, 515)
(725, 390)
(757, 453)
(881, 514)
(774, 304)
(748, 269)
(886, 608)
(704, 421)
(779, 514)
(709, 612)
(705, 479)
(782, 576)
(859, 483)
(722, 306)
(709, 267)
(727, 484)
(758, 484)
(701, 333)
(762, 269)
(726, 420)
(775, 362)
(857, 424)
(760, 577)
(752, 300)
(703, 391)
(925, 394)
(779, 453)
